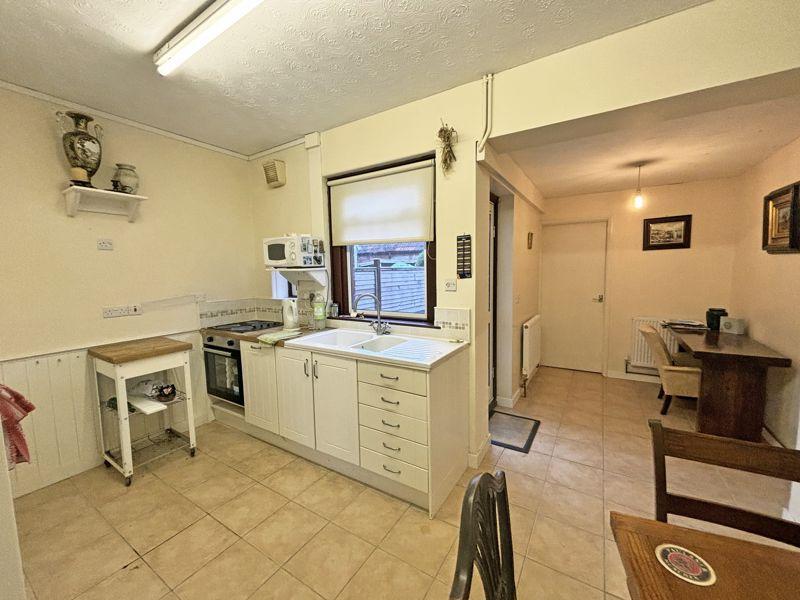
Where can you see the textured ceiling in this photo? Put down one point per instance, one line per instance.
(705, 135)
(290, 66)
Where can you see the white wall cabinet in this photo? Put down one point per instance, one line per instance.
(295, 395)
(260, 386)
(336, 406)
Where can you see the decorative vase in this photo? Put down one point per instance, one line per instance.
(83, 149)
(126, 179)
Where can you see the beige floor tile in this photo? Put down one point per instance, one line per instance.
(532, 463)
(135, 582)
(438, 591)
(233, 575)
(48, 547)
(102, 484)
(285, 532)
(80, 571)
(543, 443)
(249, 509)
(580, 433)
(493, 454)
(218, 489)
(181, 556)
(638, 466)
(384, 577)
(539, 582)
(524, 491)
(371, 515)
(522, 521)
(142, 498)
(57, 491)
(576, 476)
(264, 463)
(294, 478)
(627, 426)
(420, 541)
(450, 512)
(567, 549)
(626, 491)
(227, 444)
(330, 495)
(329, 560)
(616, 580)
(282, 586)
(469, 473)
(156, 527)
(586, 453)
(576, 415)
(184, 472)
(35, 516)
(573, 508)
(625, 510)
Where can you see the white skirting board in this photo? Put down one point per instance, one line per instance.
(632, 376)
(62, 432)
(509, 402)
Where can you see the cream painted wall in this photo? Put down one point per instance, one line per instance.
(194, 235)
(766, 289)
(661, 283)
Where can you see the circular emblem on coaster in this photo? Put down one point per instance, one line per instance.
(685, 564)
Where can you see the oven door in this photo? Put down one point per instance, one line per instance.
(224, 374)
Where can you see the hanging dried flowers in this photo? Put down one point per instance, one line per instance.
(447, 137)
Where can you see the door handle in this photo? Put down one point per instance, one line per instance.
(600, 298)
(305, 367)
(315, 370)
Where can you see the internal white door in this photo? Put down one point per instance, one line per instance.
(336, 406)
(572, 295)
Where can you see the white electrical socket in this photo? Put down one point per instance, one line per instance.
(105, 244)
(450, 285)
(112, 312)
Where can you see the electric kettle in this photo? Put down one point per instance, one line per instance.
(291, 321)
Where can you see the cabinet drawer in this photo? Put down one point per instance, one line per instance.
(388, 422)
(394, 401)
(397, 470)
(398, 378)
(394, 447)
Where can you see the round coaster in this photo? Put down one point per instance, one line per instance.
(685, 565)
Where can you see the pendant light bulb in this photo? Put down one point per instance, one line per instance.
(638, 199)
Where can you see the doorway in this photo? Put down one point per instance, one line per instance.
(493, 200)
(573, 295)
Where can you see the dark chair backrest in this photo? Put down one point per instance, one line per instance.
(762, 459)
(485, 540)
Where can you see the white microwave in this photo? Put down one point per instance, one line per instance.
(294, 251)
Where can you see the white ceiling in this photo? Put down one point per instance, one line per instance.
(705, 135)
(290, 66)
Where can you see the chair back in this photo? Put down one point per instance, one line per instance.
(657, 345)
(485, 540)
(762, 459)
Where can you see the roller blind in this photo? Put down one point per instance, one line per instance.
(392, 205)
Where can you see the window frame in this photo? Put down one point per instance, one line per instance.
(340, 264)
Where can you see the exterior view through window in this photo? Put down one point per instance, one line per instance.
(395, 273)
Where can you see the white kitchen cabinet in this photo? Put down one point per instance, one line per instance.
(260, 386)
(336, 406)
(295, 395)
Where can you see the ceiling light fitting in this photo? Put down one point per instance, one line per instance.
(638, 199)
(208, 25)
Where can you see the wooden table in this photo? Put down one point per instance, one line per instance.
(733, 387)
(745, 570)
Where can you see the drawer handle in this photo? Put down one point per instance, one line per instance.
(390, 424)
(255, 347)
(385, 468)
(395, 402)
(388, 447)
(393, 378)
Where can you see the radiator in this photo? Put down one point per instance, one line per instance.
(531, 346)
(640, 355)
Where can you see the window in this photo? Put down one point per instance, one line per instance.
(397, 273)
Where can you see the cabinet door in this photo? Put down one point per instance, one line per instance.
(336, 406)
(295, 395)
(260, 386)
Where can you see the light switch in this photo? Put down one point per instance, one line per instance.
(450, 285)
(105, 244)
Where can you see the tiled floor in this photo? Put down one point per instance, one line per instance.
(244, 519)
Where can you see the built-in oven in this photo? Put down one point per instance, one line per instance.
(224, 369)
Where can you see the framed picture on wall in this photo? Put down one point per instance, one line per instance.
(665, 233)
(781, 229)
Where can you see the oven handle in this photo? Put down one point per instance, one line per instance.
(220, 352)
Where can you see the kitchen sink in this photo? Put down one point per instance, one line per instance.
(379, 344)
(339, 338)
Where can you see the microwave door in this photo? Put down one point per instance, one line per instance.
(276, 253)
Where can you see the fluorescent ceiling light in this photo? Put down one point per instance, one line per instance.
(210, 24)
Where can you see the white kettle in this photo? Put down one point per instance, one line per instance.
(291, 321)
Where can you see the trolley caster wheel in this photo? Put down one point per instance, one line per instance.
(128, 481)
(107, 464)
(192, 451)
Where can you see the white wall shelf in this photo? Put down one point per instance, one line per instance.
(316, 274)
(101, 201)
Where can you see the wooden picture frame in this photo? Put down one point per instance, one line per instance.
(667, 233)
(781, 226)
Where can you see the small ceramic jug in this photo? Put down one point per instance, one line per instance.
(126, 179)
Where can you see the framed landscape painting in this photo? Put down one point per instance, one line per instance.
(781, 231)
(666, 233)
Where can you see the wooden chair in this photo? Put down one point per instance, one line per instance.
(485, 540)
(676, 380)
(723, 452)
